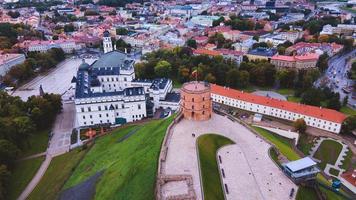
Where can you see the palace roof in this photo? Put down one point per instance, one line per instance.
(312, 111)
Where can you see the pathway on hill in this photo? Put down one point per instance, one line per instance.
(59, 144)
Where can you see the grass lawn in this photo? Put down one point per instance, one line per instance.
(285, 148)
(38, 143)
(22, 175)
(351, 10)
(286, 91)
(328, 152)
(177, 84)
(294, 99)
(57, 173)
(334, 171)
(306, 193)
(272, 152)
(281, 143)
(130, 165)
(207, 146)
(331, 195)
(347, 110)
(305, 143)
(347, 163)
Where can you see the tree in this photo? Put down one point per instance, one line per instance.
(24, 127)
(4, 177)
(244, 78)
(218, 39)
(57, 54)
(312, 97)
(210, 78)
(281, 50)
(232, 78)
(68, 28)
(300, 125)
(121, 31)
(13, 14)
(349, 125)
(163, 69)
(218, 21)
(8, 152)
(260, 44)
(183, 74)
(322, 63)
(123, 46)
(334, 103)
(313, 26)
(286, 77)
(192, 43)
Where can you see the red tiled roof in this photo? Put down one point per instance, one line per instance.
(348, 177)
(206, 52)
(310, 56)
(200, 38)
(230, 52)
(313, 111)
(284, 58)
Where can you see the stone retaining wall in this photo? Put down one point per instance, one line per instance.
(161, 178)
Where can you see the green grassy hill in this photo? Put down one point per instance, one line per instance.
(128, 157)
(129, 166)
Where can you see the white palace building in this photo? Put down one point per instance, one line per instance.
(318, 117)
(107, 92)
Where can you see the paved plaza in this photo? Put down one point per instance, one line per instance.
(247, 164)
(57, 81)
(271, 94)
(62, 130)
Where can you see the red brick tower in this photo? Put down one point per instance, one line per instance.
(196, 101)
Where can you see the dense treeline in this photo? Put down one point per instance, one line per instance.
(324, 97)
(118, 3)
(239, 23)
(19, 121)
(182, 63)
(179, 64)
(35, 62)
(39, 5)
(10, 32)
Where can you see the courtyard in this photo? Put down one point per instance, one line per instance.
(56, 81)
(246, 163)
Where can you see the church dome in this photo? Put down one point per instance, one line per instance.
(106, 34)
(84, 66)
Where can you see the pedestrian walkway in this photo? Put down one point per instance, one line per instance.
(182, 158)
(59, 144)
(284, 133)
(32, 156)
(233, 165)
(29, 188)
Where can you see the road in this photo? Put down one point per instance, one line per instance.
(335, 76)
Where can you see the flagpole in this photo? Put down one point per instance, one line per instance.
(196, 77)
